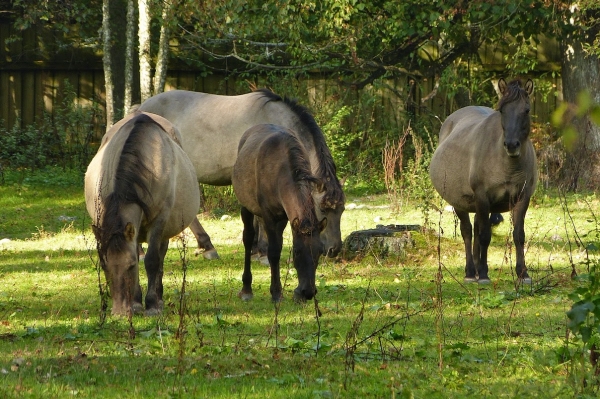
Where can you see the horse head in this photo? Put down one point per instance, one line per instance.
(514, 107)
(331, 209)
(119, 260)
(307, 247)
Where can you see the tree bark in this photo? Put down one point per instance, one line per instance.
(106, 59)
(160, 75)
(144, 50)
(580, 72)
(130, 37)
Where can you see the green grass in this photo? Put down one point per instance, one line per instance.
(386, 328)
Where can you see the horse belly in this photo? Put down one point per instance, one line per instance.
(449, 172)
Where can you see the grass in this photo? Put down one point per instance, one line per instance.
(382, 327)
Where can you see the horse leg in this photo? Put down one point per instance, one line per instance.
(203, 241)
(154, 269)
(518, 215)
(275, 236)
(136, 305)
(247, 238)
(260, 245)
(483, 237)
(466, 231)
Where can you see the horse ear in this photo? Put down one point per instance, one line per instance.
(295, 224)
(319, 186)
(129, 232)
(502, 85)
(529, 87)
(322, 224)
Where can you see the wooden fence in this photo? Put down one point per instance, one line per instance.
(31, 86)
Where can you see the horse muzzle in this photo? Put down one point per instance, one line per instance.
(304, 294)
(513, 148)
(332, 252)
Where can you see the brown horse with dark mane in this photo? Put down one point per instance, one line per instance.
(139, 187)
(485, 163)
(272, 179)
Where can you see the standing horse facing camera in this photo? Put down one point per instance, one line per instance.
(211, 127)
(486, 163)
(272, 179)
(139, 187)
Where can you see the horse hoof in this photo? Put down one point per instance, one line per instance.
(264, 260)
(484, 281)
(299, 299)
(152, 312)
(525, 281)
(211, 254)
(470, 279)
(245, 296)
(137, 308)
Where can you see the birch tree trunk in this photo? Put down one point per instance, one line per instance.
(162, 62)
(130, 34)
(106, 60)
(144, 49)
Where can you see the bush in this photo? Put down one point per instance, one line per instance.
(63, 139)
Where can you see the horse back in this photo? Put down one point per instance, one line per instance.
(212, 125)
(157, 168)
(463, 120)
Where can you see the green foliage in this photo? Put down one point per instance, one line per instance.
(64, 138)
(363, 41)
(24, 148)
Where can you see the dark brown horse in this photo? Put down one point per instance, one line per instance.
(139, 187)
(272, 179)
(212, 125)
(486, 163)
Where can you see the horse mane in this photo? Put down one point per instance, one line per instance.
(131, 173)
(303, 177)
(326, 170)
(514, 91)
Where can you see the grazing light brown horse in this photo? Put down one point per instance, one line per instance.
(486, 163)
(272, 179)
(139, 187)
(211, 127)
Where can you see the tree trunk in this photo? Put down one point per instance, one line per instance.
(144, 50)
(160, 76)
(106, 59)
(130, 37)
(581, 72)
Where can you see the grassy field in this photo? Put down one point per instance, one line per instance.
(383, 327)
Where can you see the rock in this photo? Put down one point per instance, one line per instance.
(382, 241)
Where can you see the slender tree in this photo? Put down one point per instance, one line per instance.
(129, 49)
(106, 59)
(144, 49)
(160, 75)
